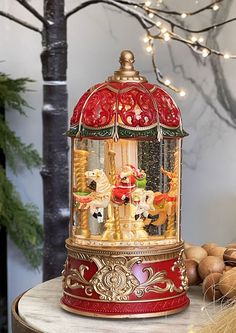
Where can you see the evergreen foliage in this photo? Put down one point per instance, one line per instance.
(21, 220)
(10, 92)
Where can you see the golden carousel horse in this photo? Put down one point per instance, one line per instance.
(165, 204)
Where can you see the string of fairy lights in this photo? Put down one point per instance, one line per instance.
(165, 27)
(159, 22)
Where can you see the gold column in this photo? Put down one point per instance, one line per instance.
(173, 211)
(130, 228)
(112, 175)
(170, 231)
(112, 225)
(80, 167)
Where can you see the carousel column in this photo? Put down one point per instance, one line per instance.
(112, 225)
(174, 197)
(121, 154)
(80, 167)
(116, 212)
(129, 152)
(179, 191)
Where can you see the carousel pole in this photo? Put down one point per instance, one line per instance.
(172, 193)
(81, 166)
(112, 231)
(112, 155)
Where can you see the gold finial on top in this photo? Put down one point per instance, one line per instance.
(126, 60)
(127, 71)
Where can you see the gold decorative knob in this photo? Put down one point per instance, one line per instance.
(127, 60)
(127, 71)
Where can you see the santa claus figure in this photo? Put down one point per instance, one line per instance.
(125, 185)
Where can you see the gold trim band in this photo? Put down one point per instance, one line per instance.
(151, 253)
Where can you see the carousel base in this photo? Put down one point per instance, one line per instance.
(124, 282)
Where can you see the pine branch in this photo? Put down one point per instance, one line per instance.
(21, 22)
(33, 11)
(21, 222)
(10, 93)
(16, 152)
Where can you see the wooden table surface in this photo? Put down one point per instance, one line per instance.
(38, 310)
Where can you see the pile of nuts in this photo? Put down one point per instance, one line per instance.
(214, 266)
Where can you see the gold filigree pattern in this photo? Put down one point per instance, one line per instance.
(152, 284)
(114, 281)
(76, 280)
(182, 268)
(63, 273)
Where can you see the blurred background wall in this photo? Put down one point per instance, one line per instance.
(96, 36)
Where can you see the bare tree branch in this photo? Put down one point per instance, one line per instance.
(118, 4)
(92, 2)
(141, 11)
(196, 31)
(201, 90)
(224, 94)
(21, 22)
(171, 12)
(144, 7)
(159, 75)
(33, 11)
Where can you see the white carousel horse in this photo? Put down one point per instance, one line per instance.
(101, 196)
(143, 201)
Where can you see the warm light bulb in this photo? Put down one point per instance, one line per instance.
(148, 3)
(146, 39)
(215, 7)
(166, 36)
(151, 15)
(226, 56)
(193, 39)
(163, 30)
(184, 15)
(201, 40)
(167, 82)
(149, 48)
(205, 53)
(158, 23)
(182, 93)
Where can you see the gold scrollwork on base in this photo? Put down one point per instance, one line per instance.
(183, 273)
(63, 273)
(75, 280)
(114, 280)
(150, 285)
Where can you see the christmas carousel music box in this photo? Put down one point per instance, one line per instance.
(125, 253)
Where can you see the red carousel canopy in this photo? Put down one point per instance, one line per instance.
(126, 106)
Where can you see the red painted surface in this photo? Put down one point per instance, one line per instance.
(131, 104)
(122, 309)
(154, 302)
